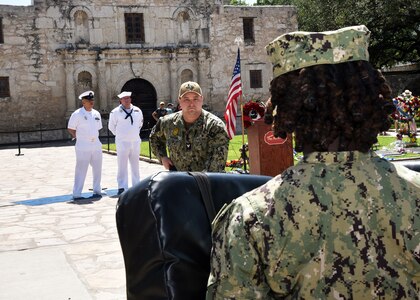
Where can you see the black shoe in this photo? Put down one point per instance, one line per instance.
(120, 191)
(78, 198)
(95, 196)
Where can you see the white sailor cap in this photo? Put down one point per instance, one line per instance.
(124, 94)
(87, 95)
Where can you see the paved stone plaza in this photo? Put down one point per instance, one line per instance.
(54, 248)
(50, 247)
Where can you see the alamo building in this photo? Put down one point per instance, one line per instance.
(53, 50)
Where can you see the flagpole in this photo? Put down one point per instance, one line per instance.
(242, 120)
(235, 96)
(238, 42)
(243, 150)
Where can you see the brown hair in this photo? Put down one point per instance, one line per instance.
(350, 102)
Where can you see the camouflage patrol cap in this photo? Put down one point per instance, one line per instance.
(189, 86)
(299, 49)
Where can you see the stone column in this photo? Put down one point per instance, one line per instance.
(202, 71)
(200, 67)
(173, 82)
(102, 86)
(70, 94)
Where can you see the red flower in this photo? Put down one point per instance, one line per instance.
(252, 110)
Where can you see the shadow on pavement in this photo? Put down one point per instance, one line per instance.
(87, 199)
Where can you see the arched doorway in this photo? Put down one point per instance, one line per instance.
(143, 96)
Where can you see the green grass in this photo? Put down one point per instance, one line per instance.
(236, 144)
(233, 153)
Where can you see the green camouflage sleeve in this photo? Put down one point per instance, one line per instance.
(236, 271)
(157, 140)
(217, 148)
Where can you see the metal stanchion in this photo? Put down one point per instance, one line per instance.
(150, 148)
(19, 154)
(244, 156)
(150, 151)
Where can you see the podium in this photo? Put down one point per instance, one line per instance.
(268, 155)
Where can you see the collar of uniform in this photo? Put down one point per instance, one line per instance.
(122, 106)
(198, 123)
(177, 119)
(337, 157)
(85, 111)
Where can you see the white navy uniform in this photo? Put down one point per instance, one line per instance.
(88, 148)
(125, 124)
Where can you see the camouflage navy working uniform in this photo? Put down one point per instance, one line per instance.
(354, 233)
(201, 147)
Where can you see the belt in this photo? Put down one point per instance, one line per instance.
(91, 140)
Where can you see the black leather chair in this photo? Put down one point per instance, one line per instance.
(165, 232)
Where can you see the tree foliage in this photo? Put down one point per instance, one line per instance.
(274, 2)
(394, 24)
(237, 2)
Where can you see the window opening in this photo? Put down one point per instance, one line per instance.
(134, 28)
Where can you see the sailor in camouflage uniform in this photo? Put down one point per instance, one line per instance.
(196, 139)
(341, 224)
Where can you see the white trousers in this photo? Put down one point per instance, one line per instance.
(86, 156)
(127, 152)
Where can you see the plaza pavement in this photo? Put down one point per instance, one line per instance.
(50, 246)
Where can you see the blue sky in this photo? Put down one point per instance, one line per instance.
(28, 2)
(16, 2)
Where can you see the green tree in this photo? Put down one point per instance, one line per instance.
(237, 2)
(274, 2)
(394, 24)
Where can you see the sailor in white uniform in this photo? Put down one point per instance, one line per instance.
(84, 126)
(125, 122)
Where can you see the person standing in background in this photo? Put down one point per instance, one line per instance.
(125, 122)
(169, 108)
(84, 126)
(160, 112)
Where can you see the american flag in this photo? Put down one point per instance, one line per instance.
(235, 91)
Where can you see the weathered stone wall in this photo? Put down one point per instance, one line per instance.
(269, 23)
(54, 50)
(403, 77)
(400, 82)
(33, 70)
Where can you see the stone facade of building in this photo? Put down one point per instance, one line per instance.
(404, 77)
(56, 49)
